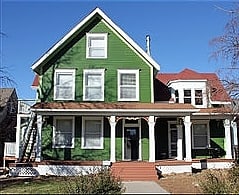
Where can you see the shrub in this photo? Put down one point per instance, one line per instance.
(220, 181)
(98, 181)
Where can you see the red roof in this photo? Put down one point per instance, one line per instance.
(218, 92)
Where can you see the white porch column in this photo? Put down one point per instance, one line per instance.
(112, 138)
(180, 143)
(234, 129)
(227, 143)
(18, 130)
(188, 137)
(38, 139)
(151, 123)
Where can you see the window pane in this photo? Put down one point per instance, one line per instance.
(93, 86)
(128, 79)
(97, 46)
(63, 132)
(200, 132)
(198, 97)
(64, 86)
(92, 136)
(128, 92)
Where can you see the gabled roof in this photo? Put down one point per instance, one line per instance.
(97, 12)
(218, 92)
(5, 94)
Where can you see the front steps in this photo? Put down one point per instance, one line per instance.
(135, 171)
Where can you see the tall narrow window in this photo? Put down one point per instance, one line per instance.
(187, 96)
(128, 85)
(176, 96)
(64, 87)
(93, 85)
(63, 132)
(92, 133)
(96, 46)
(198, 97)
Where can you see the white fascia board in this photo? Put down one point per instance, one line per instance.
(78, 26)
(140, 112)
(220, 102)
(183, 80)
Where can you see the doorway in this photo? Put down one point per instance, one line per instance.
(131, 143)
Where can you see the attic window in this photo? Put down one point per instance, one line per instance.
(96, 45)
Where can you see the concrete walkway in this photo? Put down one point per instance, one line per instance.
(143, 187)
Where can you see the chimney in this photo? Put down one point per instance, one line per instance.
(148, 44)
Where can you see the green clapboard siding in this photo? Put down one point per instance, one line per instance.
(120, 56)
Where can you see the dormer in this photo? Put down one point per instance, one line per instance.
(203, 90)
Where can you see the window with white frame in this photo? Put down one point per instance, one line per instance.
(96, 45)
(128, 85)
(198, 97)
(92, 133)
(187, 96)
(64, 84)
(200, 135)
(176, 96)
(93, 84)
(63, 132)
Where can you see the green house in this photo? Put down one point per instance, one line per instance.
(101, 98)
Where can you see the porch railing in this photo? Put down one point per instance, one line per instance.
(24, 106)
(9, 151)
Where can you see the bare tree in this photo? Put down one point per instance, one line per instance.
(226, 47)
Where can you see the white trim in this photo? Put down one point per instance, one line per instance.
(54, 129)
(83, 22)
(136, 72)
(169, 138)
(83, 133)
(201, 122)
(183, 80)
(94, 71)
(66, 71)
(90, 35)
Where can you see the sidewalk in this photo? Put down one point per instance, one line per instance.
(143, 187)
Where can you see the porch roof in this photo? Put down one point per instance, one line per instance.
(123, 108)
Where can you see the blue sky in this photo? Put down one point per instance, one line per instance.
(180, 31)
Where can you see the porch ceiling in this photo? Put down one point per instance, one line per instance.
(100, 108)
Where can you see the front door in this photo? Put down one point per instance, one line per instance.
(131, 143)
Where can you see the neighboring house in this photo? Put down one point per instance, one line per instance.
(8, 118)
(101, 98)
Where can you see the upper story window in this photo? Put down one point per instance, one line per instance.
(128, 85)
(64, 84)
(93, 85)
(96, 45)
(63, 132)
(198, 97)
(187, 96)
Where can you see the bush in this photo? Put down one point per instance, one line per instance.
(97, 181)
(220, 181)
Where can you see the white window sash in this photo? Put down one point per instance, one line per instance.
(92, 136)
(96, 45)
(64, 84)
(93, 85)
(129, 89)
(61, 136)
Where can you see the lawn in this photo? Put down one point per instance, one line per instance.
(40, 185)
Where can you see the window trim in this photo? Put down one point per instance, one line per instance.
(54, 131)
(187, 97)
(94, 71)
(105, 36)
(204, 122)
(136, 72)
(101, 134)
(197, 97)
(66, 71)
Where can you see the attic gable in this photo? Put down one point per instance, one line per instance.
(96, 15)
